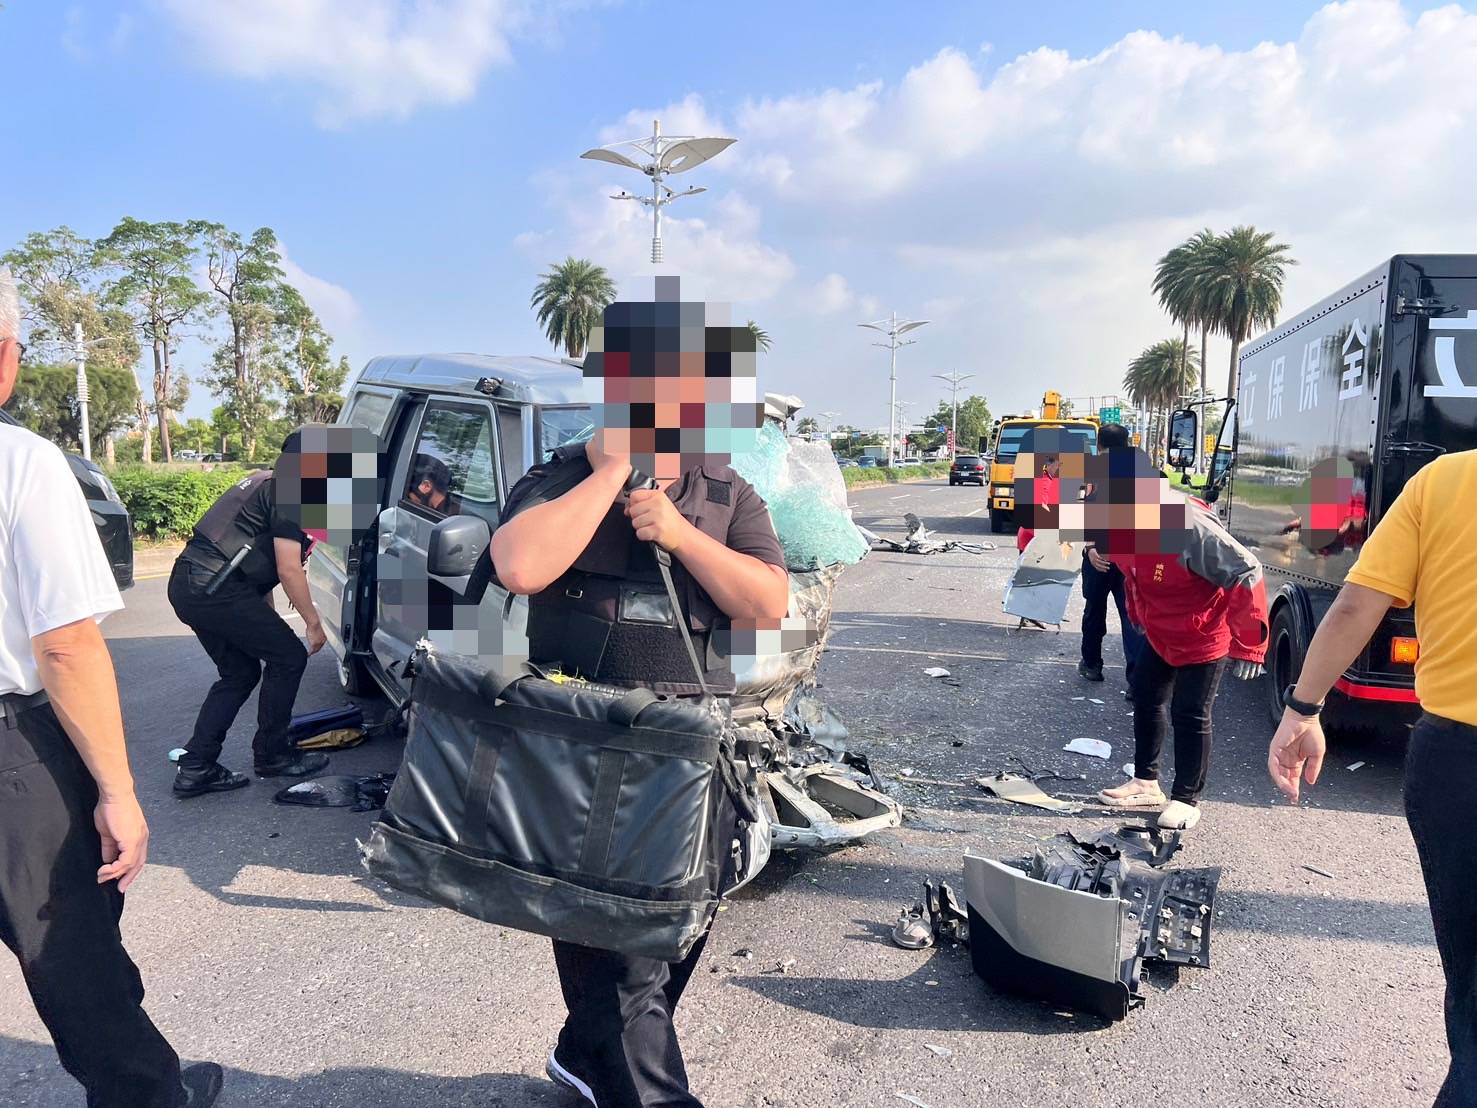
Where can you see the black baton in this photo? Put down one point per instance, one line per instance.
(226, 570)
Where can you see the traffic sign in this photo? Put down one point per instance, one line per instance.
(1138, 439)
(950, 440)
(939, 430)
(1110, 415)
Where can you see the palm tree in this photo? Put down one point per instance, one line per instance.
(1181, 293)
(761, 337)
(569, 299)
(1158, 377)
(1240, 280)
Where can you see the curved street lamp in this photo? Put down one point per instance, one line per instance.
(659, 157)
(893, 328)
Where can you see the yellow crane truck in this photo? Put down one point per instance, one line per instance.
(1006, 442)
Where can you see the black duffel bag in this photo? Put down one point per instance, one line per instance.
(609, 817)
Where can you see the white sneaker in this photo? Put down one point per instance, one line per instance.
(561, 1076)
(1179, 816)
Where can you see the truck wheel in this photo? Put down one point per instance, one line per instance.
(997, 525)
(1284, 662)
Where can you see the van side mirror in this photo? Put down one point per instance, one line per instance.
(458, 545)
(1184, 434)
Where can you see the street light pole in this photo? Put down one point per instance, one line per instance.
(80, 349)
(893, 328)
(659, 156)
(954, 380)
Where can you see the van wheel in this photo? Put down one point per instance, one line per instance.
(353, 678)
(1284, 660)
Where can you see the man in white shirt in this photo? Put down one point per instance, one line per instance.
(72, 835)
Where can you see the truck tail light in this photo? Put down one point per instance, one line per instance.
(1404, 651)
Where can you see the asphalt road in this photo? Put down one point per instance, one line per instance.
(263, 948)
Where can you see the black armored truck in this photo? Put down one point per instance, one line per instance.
(1335, 410)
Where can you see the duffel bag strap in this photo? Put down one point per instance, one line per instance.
(664, 563)
(625, 710)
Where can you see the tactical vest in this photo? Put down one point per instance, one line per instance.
(221, 533)
(608, 618)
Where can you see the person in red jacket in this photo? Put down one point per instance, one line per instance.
(1199, 597)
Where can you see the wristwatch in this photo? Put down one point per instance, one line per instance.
(1301, 707)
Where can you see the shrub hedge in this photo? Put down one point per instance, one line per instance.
(167, 503)
(857, 477)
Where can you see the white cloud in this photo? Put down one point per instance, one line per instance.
(362, 58)
(1022, 202)
(335, 305)
(832, 294)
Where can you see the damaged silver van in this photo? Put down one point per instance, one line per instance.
(457, 431)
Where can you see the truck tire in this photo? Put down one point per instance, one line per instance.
(997, 525)
(1285, 653)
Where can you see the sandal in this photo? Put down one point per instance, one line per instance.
(1179, 816)
(1134, 793)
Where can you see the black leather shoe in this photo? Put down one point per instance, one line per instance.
(214, 778)
(1091, 672)
(293, 765)
(203, 1083)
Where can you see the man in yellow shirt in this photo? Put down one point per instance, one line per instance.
(1421, 553)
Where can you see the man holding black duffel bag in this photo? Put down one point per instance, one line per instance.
(586, 551)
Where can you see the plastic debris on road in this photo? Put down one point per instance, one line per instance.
(911, 1099)
(1018, 790)
(1093, 748)
(941, 1051)
(1356, 765)
(363, 794)
(1128, 769)
(806, 494)
(935, 671)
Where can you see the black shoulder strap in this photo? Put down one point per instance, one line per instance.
(573, 469)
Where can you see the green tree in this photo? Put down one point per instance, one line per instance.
(196, 434)
(311, 380)
(225, 432)
(1157, 378)
(60, 282)
(45, 400)
(1240, 277)
(246, 277)
(975, 422)
(761, 337)
(155, 265)
(1181, 288)
(568, 301)
(808, 427)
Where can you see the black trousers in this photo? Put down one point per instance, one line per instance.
(1181, 696)
(1096, 588)
(248, 642)
(62, 926)
(1440, 774)
(619, 1036)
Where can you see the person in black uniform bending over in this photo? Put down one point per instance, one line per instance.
(597, 608)
(253, 538)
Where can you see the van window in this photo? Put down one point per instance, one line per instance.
(558, 426)
(369, 409)
(452, 471)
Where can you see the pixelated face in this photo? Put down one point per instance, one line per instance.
(1049, 471)
(1331, 507)
(673, 383)
(747, 643)
(327, 482)
(1126, 507)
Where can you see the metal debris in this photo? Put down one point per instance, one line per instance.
(1319, 872)
(1018, 790)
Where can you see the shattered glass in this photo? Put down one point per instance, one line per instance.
(806, 494)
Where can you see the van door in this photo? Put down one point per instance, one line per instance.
(332, 570)
(447, 468)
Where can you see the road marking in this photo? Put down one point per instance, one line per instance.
(151, 576)
(976, 512)
(950, 654)
(904, 496)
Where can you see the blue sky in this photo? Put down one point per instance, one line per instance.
(1010, 171)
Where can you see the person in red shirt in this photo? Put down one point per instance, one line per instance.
(1046, 496)
(1200, 600)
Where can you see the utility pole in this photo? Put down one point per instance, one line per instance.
(893, 328)
(954, 380)
(80, 352)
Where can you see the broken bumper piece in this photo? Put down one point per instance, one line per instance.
(1075, 922)
(825, 805)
